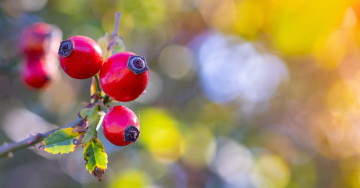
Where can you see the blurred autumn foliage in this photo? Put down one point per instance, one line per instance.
(242, 94)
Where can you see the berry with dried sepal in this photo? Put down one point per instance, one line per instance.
(124, 76)
(121, 126)
(80, 57)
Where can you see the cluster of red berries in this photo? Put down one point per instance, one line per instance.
(37, 44)
(123, 77)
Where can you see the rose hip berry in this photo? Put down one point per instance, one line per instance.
(35, 74)
(121, 126)
(80, 57)
(124, 76)
(39, 39)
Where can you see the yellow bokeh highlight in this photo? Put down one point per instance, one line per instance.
(342, 97)
(271, 171)
(350, 172)
(329, 52)
(250, 18)
(218, 14)
(132, 178)
(296, 25)
(160, 134)
(198, 146)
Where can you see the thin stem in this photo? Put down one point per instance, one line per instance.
(8, 149)
(115, 33)
(106, 99)
(98, 88)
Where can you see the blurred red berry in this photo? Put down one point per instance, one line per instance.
(39, 39)
(34, 73)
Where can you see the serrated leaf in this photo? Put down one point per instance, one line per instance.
(119, 45)
(62, 141)
(91, 111)
(81, 126)
(91, 131)
(95, 158)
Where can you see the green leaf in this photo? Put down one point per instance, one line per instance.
(119, 45)
(91, 131)
(62, 141)
(91, 111)
(104, 43)
(95, 158)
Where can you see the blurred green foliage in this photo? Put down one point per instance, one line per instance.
(242, 93)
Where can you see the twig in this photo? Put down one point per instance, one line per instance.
(8, 149)
(115, 33)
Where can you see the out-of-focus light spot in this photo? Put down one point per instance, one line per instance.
(33, 5)
(145, 14)
(159, 133)
(153, 90)
(199, 146)
(350, 20)
(342, 97)
(59, 98)
(282, 145)
(20, 123)
(176, 61)
(178, 5)
(294, 31)
(69, 6)
(303, 175)
(334, 135)
(11, 7)
(350, 172)
(230, 70)
(330, 52)
(132, 178)
(271, 171)
(233, 163)
(87, 30)
(249, 20)
(218, 14)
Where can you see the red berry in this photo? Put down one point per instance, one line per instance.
(124, 76)
(121, 126)
(35, 73)
(80, 57)
(38, 39)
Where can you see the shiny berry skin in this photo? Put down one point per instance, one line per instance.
(80, 57)
(121, 126)
(34, 73)
(39, 39)
(124, 76)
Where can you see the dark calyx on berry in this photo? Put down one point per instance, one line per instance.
(137, 64)
(131, 133)
(66, 48)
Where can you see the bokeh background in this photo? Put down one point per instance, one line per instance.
(242, 94)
